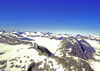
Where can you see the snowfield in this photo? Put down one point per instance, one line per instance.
(51, 44)
(93, 43)
(19, 57)
(17, 54)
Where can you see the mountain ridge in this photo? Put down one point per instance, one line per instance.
(68, 52)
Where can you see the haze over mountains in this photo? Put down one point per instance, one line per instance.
(32, 51)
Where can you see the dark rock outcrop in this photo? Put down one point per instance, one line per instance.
(12, 41)
(3, 31)
(59, 38)
(43, 49)
(31, 66)
(68, 63)
(77, 48)
(3, 64)
(1, 53)
(80, 36)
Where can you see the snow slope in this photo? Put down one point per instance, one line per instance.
(51, 44)
(17, 56)
(96, 46)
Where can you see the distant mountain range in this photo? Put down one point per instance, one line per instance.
(17, 34)
(32, 51)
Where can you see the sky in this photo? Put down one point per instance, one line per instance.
(56, 16)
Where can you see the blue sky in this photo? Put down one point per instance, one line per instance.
(56, 16)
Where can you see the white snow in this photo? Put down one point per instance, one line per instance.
(70, 49)
(11, 51)
(79, 39)
(65, 36)
(27, 33)
(51, 45)
(93, 43)
(59, 54)
(25, 54)
(0, 32)
(24, 35)
(76, 58)
(97, 57)
(96, 66)
(55, 65)
(39, 33)
(14, 32)
(71, 67)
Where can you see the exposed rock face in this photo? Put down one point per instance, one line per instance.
(3, 64)
(3, 31)
(42, 49)
(54, 63)
(31, 67)
(18, 35)
(77, 48)
(88, 49)
(1, 53)
(67, 62)
(80, 36)
(59, 38)
(12, 41)
(73, 55)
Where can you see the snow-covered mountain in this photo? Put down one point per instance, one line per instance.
(41, 51)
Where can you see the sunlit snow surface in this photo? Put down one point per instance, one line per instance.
(19, 57)
(51, 45)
